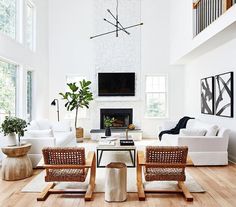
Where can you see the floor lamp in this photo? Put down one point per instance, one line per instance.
(54, 103)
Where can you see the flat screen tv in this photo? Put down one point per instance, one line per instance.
(116, 84)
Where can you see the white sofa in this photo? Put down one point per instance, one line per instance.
(42, 133)
(203, 150)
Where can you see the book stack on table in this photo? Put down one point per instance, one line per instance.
(128, 142)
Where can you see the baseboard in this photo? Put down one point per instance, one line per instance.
(232, 158)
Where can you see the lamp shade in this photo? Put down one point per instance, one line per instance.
(53, 102)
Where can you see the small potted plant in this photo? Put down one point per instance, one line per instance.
(12, 126)
(108, 124)
(77, 97)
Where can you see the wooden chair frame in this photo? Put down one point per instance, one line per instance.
(141, 192)
(90, 164)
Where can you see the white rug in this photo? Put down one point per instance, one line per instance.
(38, 184)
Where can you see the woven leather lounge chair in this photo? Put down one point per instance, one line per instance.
(68, 165)
(162, 163)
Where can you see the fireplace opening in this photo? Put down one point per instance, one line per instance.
(123, 117)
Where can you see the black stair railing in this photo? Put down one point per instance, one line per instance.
(207, 11)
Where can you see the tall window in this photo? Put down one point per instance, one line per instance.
(29, 30)
(8, 17)
(29, 95)
(156, 96)
(8, 84)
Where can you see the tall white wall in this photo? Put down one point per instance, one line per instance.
(218, 61)
(71, 52)
(181, 28)
(28, 60)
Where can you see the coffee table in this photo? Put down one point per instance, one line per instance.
(116, 148)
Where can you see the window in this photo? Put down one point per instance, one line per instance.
(29, 29)
(8, 90)
(8, 17)
(29, 95)
(156, 96)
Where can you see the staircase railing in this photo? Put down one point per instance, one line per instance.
(207, 11)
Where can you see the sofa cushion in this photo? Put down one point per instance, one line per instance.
(39, 133)
(223, 133)
(61, 126)
(193, 132)
(212, 131)
(33, 125)
(169, 140)
(44, 124)
(63, 138)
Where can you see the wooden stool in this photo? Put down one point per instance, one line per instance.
(116, 182)
(17, 164)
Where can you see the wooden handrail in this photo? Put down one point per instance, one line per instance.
(226, 4)
(195, 4)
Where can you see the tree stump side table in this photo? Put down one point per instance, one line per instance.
(116, 182)
(17, 164)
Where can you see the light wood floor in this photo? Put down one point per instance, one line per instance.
(219, 182)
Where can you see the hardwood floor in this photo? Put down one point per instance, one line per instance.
(219, 183)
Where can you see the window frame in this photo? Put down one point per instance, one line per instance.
(32, 94)
(18, 87)
(31, 4)
(17, 23)
(166, 96)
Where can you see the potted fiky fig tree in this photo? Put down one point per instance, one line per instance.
(108, 124)
(12, 126)
(77, 97)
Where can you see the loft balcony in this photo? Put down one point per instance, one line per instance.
(207, 11)
(200, 28)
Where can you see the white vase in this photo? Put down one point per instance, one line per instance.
(11, 139)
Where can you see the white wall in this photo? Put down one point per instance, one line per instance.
(218, 61)
(72, 52)
(36, 61)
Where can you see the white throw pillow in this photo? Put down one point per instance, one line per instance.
(39, 133)
(212, 131)
(192, 132)
(33, 125)
(61, 126)
(44, 124)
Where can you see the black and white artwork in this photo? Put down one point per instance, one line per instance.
(224, 94)
(207, 95)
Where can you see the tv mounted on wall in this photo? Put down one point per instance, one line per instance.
(116, 84)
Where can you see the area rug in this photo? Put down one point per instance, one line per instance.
(38, 184)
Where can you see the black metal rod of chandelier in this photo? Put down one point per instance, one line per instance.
(118, 26)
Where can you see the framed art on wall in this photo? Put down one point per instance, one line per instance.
(207, 95)
(224, 94)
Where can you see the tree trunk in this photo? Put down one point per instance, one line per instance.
(76, 116)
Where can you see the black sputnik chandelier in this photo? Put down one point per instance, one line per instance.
(118, 26)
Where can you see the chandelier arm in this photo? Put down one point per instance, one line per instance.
(116, 26)
(109, 11)
(135, 25)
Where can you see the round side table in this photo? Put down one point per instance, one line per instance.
(17, 164)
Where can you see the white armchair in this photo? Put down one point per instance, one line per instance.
(203, 150)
